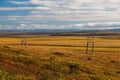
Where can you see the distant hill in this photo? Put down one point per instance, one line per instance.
(59, 30)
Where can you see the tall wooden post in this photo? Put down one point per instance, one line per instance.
(23, 41)
(90, 43)
(92, 47)
(87, 47)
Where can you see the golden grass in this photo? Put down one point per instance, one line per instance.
(59, 58)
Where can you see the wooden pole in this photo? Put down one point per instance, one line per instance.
(93, 48)
(87, 47)
(23, 40)
(90, 43)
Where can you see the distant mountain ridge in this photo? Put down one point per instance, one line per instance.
(59, 30)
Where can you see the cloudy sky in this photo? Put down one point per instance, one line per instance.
(59, 14)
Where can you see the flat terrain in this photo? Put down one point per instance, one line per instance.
(59, 58)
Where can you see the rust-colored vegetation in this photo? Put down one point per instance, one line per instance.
(59, 58)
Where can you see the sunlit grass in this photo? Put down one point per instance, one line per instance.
(59, 58)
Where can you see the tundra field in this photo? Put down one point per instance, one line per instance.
(59, 58)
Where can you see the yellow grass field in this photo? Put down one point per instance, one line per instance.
(59, 58)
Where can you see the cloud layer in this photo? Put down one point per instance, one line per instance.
(64, 10)
(89, 26)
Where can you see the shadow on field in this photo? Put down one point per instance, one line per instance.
(66, 45)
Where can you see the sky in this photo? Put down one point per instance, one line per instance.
(59, 14)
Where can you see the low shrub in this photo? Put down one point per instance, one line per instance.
(74, 67)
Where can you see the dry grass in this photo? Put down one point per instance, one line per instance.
(59, 58)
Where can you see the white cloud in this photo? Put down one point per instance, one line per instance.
(66, 10)
(23, 8)
(4, 27)
(73, 4)
(100, 25)
(68, 16)
(23, 25)
(20, 3)
(71, 9)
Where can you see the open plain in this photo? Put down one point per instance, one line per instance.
(47, 57)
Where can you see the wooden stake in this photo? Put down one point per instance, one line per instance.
(90, 43)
